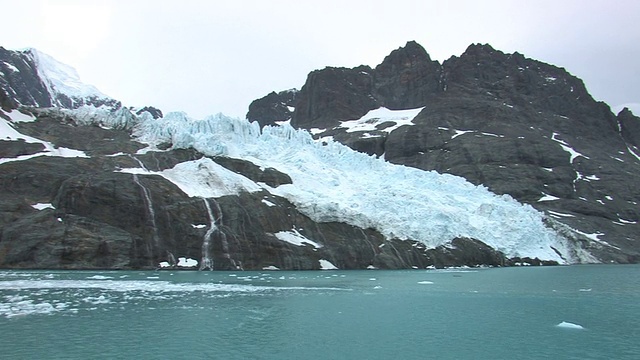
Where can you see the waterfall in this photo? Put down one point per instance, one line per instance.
(151, 213)
(216, 225)
(172, 259)
(207, 262)
(223, 236)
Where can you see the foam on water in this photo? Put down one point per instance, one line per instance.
(31, 296)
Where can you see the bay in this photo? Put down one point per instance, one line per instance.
(565, 312)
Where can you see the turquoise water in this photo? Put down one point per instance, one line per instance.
(419, 314)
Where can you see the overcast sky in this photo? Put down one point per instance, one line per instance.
(205, 57)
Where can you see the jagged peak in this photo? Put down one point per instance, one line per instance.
(411, 50)
(627, 113)
(478, 48)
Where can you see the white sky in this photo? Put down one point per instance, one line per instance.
(205, 57)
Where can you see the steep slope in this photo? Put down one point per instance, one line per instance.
(516, 125)
(33, 78)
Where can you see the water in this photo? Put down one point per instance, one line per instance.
(419, 314)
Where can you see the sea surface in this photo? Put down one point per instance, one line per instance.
(565, 312)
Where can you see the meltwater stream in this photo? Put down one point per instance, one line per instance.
(577, 312)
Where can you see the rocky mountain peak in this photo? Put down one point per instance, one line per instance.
(409, 55)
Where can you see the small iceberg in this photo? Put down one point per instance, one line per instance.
(425, 282)
(568, 325)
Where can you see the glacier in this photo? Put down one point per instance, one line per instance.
(331, 182)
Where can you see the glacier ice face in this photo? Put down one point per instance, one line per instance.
(334, 183)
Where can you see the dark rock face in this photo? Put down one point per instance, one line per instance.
(273, 107)
(334, 94)
(515, 125)
(629, 128)
(19, 80)
(269, 176)
(407, 78)
(155, 112)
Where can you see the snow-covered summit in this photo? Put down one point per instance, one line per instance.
(61, 78)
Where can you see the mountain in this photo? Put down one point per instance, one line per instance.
(515, 125)
(100, 185)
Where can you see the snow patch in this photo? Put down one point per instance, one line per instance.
(42, 206)
(11, 67)
(460, 132)
(547, 197)
(565, 146)
(381, 115)
(202, 178)
(7, 132)
(17, 116)
(268, 203)
(295, 238)
(559, 214)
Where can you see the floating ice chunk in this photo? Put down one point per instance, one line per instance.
(270, 267)
(425, 282)
(164, 264)
(568, 325)
(327, 265)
